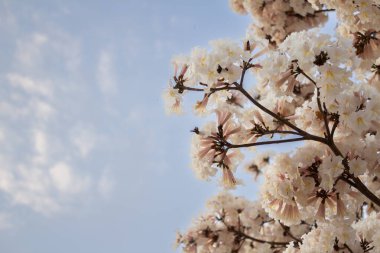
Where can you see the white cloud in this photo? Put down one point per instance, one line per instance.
(39, 39)
(29, 50)
(66, 47)
(46, 189)
(30, 85)
(39, 203)
(36, 51)
(65, 181)
(37, 164)
(8, 20)
(27, 186)
(105, 73)
(42, 123)
(42, 110)
(84, 139)
(41, 146)
(105, 184)
(5, 221)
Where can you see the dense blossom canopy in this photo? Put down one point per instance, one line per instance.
(320, 90)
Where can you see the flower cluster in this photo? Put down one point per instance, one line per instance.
(234, 224)
(317, 90)
(276, 19)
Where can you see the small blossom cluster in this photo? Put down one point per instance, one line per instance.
(234, 224)
(276, 19)
(354, 16)
(359, 20)
(211, 72)
(210, 150)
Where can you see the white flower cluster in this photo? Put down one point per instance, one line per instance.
(319, 90)
(368, 230)
(209, 70)
(355, 16)
(208, 150)
(328, 238)
(276, 19)
(234, 224)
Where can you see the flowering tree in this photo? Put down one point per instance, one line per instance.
(318, 90)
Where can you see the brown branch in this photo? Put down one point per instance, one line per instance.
(299, 131)
(261, 130)
(266, 110)
(356, 183)
(360, 186)
(191, 88)
(324, 10)
(245, 67)
(246, 145)
(287, 232)
(244, 235)
(281, 132)
(323, 109)
(212, 90)
(335, 125)
(348, 248)
(328, 140)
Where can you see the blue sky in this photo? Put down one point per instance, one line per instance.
(89, 160)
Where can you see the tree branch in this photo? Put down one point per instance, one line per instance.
(323, 109)
(324, 10)
(289, 233)
(348, 248)
(360, 186)
(246, 145)
(244, 235)
(327, 140)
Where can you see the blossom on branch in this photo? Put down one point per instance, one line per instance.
(317, 90)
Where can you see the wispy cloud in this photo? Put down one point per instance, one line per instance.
(106, 184)
(28, 186)
(84, 139)
(40, 167)
(65, 181)
(5, 221)
(105, 73)
(28, 53)
(29, 85)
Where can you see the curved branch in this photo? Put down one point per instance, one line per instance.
(360, 186)
(327, 140)
(281, 119)
(323, 110)
(244, 235)
(246, 145)
(289, 233)
(266, 110)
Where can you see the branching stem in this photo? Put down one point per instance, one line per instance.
(246, 145)
(244, 235)
(328, 139)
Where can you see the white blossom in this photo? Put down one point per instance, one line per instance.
(319, 91)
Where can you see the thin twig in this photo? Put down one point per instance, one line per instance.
(324, 10)
(244, 235)
(348, 248)
(323, 109)
(289, 233)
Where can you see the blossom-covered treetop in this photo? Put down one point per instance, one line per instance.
(321, 91)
